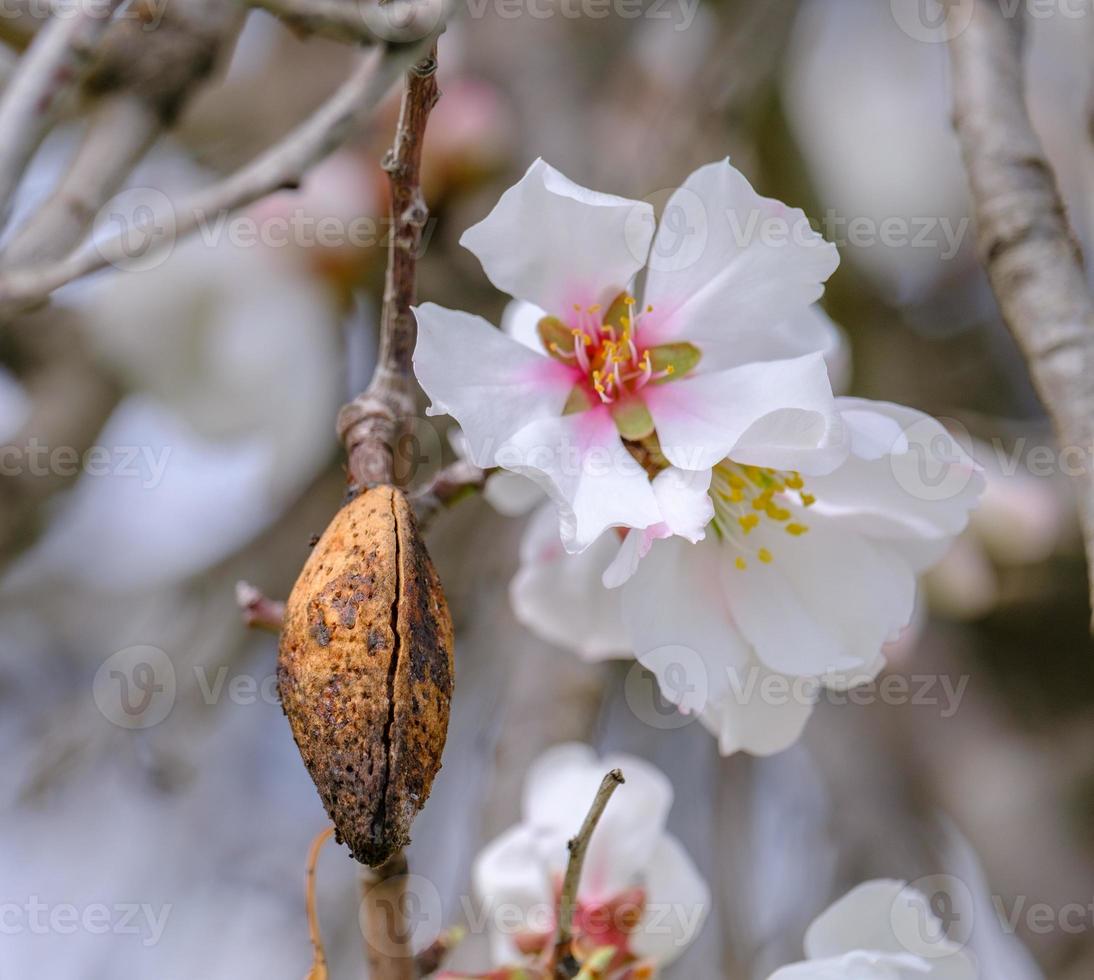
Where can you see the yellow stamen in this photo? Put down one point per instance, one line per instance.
(808, 499)
(796, 529)
(741, 563)
(765, 556)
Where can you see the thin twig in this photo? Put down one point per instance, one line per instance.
(48, 72)
(281, 166)
(448, 486)
(259, 611)
(368, 426)
(1029, 250)
(384, 921)
(565, 964)
(319, 961)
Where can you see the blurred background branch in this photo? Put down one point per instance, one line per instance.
(1032, 256)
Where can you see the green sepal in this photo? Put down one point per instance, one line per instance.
(681, 357)
(579, 401)
(632, 419)
(558, 339)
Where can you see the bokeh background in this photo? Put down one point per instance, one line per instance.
(211, 380)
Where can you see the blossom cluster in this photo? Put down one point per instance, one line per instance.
(642, 901)
(712, 505)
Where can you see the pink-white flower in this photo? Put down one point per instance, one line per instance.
(882, 930)
(799, 588)
(606, 390)
(639, 892)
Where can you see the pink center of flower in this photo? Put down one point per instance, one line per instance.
(611, 355)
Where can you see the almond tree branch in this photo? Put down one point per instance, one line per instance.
(384, 923)
(399, 21)
(565, 964)
(140, 79)
(259, 610)
(368, 426)
(1029, 250)
(53, 64)
(281, 166)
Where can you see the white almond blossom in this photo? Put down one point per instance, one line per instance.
(616, 388)
(639, 892)
(747, 627)
(882, 930)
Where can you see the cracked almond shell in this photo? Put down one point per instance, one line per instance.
(365, 671)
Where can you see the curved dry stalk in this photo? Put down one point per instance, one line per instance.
(1028, 247)
(565, 964)
(318, 969)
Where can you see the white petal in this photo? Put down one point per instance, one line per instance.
(776, 413)
(728, 265)
(686, 510)
(860, 965)
(509, 872)
(686, 507)
(677, 903)
(520, 321)
(489, 383)
(888, 917)
(554, 243)
(561, 786)
(581, 463)
(510, 494)
(559, 596)
(765, 712)
(827, 603)
(907, 480)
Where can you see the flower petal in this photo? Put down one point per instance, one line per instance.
(520, 320)
(827, 603)
(509, 872)
(559, 789)
(677, 904)
(686, 510)
(888, 917)
(907, 480)
(559, 596)
(492, 385)
(727, 265)
(776, 413)
(583, 466)
(555, 243)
